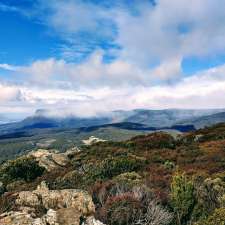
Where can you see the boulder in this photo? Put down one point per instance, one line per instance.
(92, 221)
(62, 207)
(57, 199)
(50, 159)
(92, 140)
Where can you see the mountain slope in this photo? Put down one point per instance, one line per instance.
(204, 121)
(149, 119)
(167, 117)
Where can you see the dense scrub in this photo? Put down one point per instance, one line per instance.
(24, 168)
(151, 179)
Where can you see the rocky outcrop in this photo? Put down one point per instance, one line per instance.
(92, 140)
(51, 207)
(52, 159)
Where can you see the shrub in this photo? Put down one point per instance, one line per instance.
(155, 215)
(157, 140)
(122, 210)
(115, 166)
(23, 168)
(101, 191)
(131, 178)
(182, 197)
(169, 165)
(72, 179)
(217, 218)
(128, 209)
(210, 194)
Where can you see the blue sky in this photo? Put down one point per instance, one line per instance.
(78, 54)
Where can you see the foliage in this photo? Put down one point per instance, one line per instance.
(136, 177)
(133, 208)
(182, 197)
(122, 210)
(169, 165)
(114, 166)
(25, 168)
(217, 218)
(155, 215)
(157, 140)
(72, 179)
(210, 194)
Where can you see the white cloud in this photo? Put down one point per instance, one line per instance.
(203, 90)
(8, 67)
(94, 72)
(156, 34)
(168, 69)
(9, 93)
(153, 44)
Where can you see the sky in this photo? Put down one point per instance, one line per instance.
(93, 56)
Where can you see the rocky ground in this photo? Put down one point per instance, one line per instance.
(51, 207)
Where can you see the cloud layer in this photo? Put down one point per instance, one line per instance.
(203, 90)
(120, 57)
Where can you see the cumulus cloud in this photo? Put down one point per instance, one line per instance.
(94, 72)
(151, 42)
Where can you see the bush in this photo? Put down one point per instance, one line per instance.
(129, 209)
(129, 178)
(182, 197)
(122, 210)
(210, 194)
(157, 140)
(23, 168)
(115, 166)
(72, 179)
(217, 218)
(169, 165)
(102, 191)
(155, 215)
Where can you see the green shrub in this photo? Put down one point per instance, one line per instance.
(210, 194)
(23, 168)
(217, 218)
(72, 179)
(130, 178)
(169, 165)
(115, 166)
(182, 197)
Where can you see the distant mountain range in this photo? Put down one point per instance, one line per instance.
(140, 119)
(208, 120)
(169, 117)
